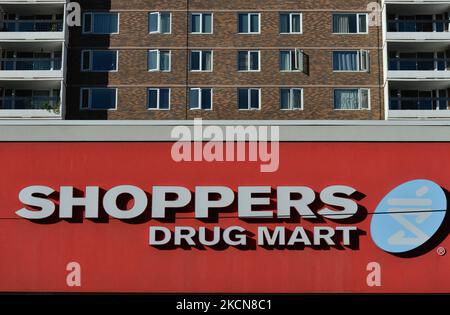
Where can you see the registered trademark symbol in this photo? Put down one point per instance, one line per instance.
(441, 251)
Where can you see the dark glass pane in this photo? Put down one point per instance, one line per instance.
(243, 99)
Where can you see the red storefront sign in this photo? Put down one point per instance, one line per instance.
(115, 254)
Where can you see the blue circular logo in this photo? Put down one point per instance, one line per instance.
(409, 216)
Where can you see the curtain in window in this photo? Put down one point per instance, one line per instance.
(243, 61)
(164, 60)
(285, 60)
(341, 24)
(364, 99)
(105, 23)
(296, 99)
(206, 61)
(291, 99)
(346, 99)
(345, 61)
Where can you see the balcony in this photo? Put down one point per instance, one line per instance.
(31, 99)
(418, 66)
(30, 69)
(418, 21)
(30, 103)
(420, 100)
(19, 22)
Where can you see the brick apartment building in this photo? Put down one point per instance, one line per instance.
(217, 53)
(257, 59)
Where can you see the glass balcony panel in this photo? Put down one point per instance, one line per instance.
(32, 26)
(30, 64)
(33, 102)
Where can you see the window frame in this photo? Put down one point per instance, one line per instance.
(200, 99)
(249, 23)
(91, 32)
(248, 56)
(159, 60)
(201, 23)
(358, 31)
(90, 99)
(360, 90)
(249, 99)
(159, 99)
(290, 58)
(201, 60)
(91, 59)
(291, 14)
(359, 54)
(290, 91)
(159, 23)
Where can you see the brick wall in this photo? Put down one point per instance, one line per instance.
(132, 78)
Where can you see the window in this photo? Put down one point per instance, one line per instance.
(160, 23)
(292, 60)
(249, 23)
(201, 60)
(159, 60)
(201, 23)
(98, 98)
(200, 98)
(249, 61)
(99, 60)
(351, 99)
(249, 99)
(291, 99)
(100, 23)
(159, 99)
(351, 60)
(290, 23)
(350, 23)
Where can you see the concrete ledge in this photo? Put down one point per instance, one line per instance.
(136, 131)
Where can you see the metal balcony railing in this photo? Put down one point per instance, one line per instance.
(31, 26)
(418, 103)
(35, 102)
(418, 25)
(419, 64)
(14, 64)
